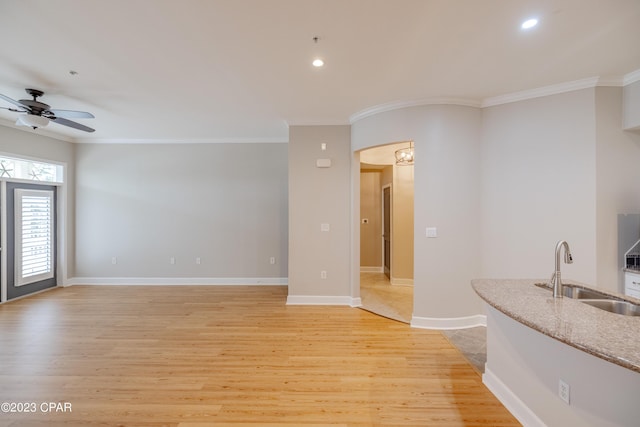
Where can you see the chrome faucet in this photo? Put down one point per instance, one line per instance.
(556, 279)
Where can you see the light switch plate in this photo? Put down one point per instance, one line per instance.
(323, 163)
(324, 227)
(432, 232)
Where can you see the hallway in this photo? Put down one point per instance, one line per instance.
(380, 297)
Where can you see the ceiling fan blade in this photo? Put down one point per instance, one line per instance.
(70, 114)
(14, 110)
(65, 122)
(12, 101)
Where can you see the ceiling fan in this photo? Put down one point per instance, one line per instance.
(38, 114)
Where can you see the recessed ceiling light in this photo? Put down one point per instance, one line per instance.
(318, 62)
(529, 23)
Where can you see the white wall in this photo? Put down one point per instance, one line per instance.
(538, 186)
(317, 196)
(447, 196)
(618, 183)
(631, 106)
(146, 203)
(31, 144)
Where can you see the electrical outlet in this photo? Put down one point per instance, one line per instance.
(198, 260)
(323, 274)
(114, 260)
(172, 260)
(564, 391)
(272, 260)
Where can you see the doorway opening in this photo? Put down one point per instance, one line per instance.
(386, 233)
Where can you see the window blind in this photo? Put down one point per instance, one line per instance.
(34, 230)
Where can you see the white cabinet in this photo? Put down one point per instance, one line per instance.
(632, 284)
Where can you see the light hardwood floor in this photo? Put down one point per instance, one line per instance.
(228, 356)
(396, 302)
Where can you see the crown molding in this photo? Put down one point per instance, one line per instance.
(591, 82)
(610, 82)
(541, 91)
(311, 122)
(377, 109)
(181, 140)
(632, 77)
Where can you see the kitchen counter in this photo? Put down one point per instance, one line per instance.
(612, 337)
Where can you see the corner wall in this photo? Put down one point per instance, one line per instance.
(320, 196)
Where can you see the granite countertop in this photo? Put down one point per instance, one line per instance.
(609, 336)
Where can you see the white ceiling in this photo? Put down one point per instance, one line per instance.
(240, 70)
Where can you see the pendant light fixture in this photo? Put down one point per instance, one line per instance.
(317, 61)
(404, 156)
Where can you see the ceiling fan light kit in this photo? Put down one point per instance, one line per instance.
(32, 121)
(36, 114)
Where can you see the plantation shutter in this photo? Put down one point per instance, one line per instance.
(34, 235)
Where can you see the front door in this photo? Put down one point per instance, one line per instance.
(31, 238)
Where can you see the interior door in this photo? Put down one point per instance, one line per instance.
(31, 238)
(386, 230)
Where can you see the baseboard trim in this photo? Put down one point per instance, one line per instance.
(510, 401)
(177, 281)
(401, 282)
(323, 300)
(449, 323)
(371, 269)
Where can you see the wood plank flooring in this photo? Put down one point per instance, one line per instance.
(192, 356)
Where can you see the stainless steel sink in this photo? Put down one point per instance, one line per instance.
(577, 292)
(583, 293)
(598, 299)
(619, 307)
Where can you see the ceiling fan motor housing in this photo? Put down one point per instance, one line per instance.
(37, 107)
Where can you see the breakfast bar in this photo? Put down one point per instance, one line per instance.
(560, 361)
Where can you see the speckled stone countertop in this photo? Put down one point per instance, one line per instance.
(609, 336)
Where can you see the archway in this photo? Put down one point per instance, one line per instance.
(386, 231)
